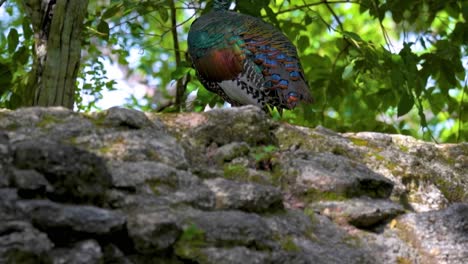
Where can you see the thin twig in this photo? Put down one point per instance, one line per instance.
(340, 53)
(384, 31)
(315, 4)
(334, 14)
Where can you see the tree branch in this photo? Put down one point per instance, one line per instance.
(180, 90)
(327, 4)
(315, 4)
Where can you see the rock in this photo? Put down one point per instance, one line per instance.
(438, 236)
(84, 252)
(162, 180)
(20, 242)
(125, 201)
(5, 150)
(122, 186)
(132, 174)
(69, 222)
(5, 159)
(330, 244)
(417, 168)
(76, 175)
(249, 197)
(118, 116)
(57, 123)
(326, 175)
(154, 231)
(223, 228)
(8, 210)
(235, 255)
(387, 247)
(4, 176)
(313, 238)
(135, 145)
(198, 196)
(290, 223)
(424, 196)
(241, 124)
(231, 151)
(360, 212)
(30, 183)
(112, 254)
(320, 139)
(204, 139)
(148, 259)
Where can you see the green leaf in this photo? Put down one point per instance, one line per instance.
(164, 13)
(27, 31)
(179, 72)
(348, 71)
(308, 20)
(354, 38)
(252, 7)
(103, 28)
(21, 56)
(303, 43)
(364, 6)
(272, 16)
(438, 103)
(465, 10)
(5, 77)
(13, 40)
(110, 12)
(405, 105)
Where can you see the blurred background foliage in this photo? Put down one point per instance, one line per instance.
(393, 66)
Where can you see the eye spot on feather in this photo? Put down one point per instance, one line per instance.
(294, 75)
(293, 98)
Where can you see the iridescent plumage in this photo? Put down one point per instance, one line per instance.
(245, 60)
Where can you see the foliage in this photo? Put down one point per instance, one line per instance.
(373, 65)
(15, 55)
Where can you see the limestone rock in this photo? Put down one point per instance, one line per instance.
(21, 242)
(223, 228)
(118, 116)
(8, 201)
(360, 212)
(324, 173)
(224, 186)
(235, 255)
(75, 174)
(438, 236)
(231, 151)
(30, 183)
(245, 196)
(67, 221)
(159, 179)
(241, 124)
(83, 252)
(154, 231)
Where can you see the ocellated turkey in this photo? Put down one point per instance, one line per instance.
(246, 60)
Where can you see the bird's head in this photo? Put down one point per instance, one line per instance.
(221, 4)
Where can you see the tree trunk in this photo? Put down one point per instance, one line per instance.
(57, 26)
